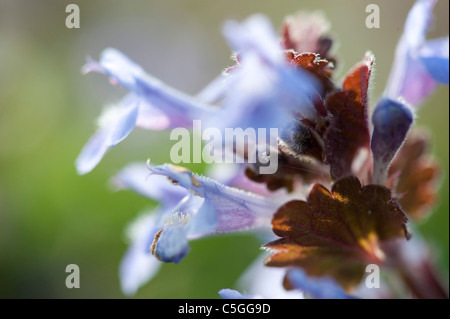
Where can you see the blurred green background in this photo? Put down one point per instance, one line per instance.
(51, 217)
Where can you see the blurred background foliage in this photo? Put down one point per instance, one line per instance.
(51, 217)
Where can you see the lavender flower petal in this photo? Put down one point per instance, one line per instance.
(259, 279)
(117, 66)
(93, 152)
(216, 90)
(320, 288)
(137, 177)
(210, 208)
(171, 245)
(235, 209)
(138, 266)
(255, 34)
(434, 55)
(115, 124)
(265, 91)
(152, 118)
(234, 294)
(125, 122)
(418, 63)
(179, 107)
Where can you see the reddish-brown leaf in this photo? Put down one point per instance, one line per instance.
(358, 80)
(337, 233)
(348, 131)
(312, 63)
(413, 176)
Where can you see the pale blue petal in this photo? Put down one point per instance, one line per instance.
(258, 279)
(179, 108)
(125, 123)
(215, 90)
(319, 288)
(235, 209)
(254, 89)
(204, 222)
(233, 175)
(115, 124)
(152, 118)
(136, 269)
(117, 66)
(417, 23)
(92, 152)
(265, 91)
(234, 294)
(211, 208)
(418, 63)
(418, 83)
(138, 266)
(256, 33)
(264, 97)
(434, 55)
(137, 177)
(172, 245)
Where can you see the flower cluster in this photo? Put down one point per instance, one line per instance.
(349, 184)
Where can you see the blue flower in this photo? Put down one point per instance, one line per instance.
(419, 64)
(210, 208)
(199, 208)
(138, 265)
(179, 108)
(264, 90)
(151, 104)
